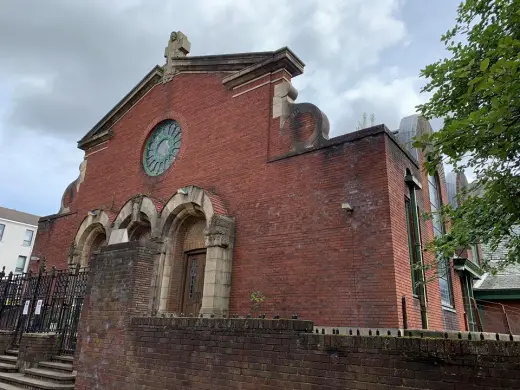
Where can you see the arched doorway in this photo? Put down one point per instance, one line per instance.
(194, 275)
(183, 279)
(191, 239)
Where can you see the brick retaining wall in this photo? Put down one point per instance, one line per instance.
(168, 353)
(122, 347)
(35, 348)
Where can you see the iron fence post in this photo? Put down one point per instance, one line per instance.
(5, 292)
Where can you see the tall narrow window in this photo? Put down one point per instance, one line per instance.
(443, 268)
(20, 264)
(28, 238)
(474, 254)
(2, 228)
(414, 245)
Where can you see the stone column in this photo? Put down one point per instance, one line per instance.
(217, 275)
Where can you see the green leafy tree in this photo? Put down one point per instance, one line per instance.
(476, 91)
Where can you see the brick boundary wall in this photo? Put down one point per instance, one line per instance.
(123, 347)
(6, 340)
(36, 348)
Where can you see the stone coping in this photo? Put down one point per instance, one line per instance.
(417, 333)
(40, 335)
(308, 327)
(224, 323)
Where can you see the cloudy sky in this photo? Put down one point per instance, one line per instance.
(65, 63)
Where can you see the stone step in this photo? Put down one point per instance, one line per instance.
(52, 375)
(28, 382)
(9, 359)
(63, 358)
(7, 386)
(12, 352)
(7, 367)
(56, 366)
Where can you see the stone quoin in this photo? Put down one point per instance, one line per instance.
(242, 190)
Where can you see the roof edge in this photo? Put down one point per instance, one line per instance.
(100, 132)
(283, 58)
(351, 137)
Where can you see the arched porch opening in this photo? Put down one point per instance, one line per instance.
(92, 234)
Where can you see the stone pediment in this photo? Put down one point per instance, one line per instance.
(242, 67)
(102, 131)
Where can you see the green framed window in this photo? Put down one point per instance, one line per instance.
(414, 246)
(443, 267)
(475, 255)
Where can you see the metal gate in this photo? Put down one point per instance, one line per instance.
(50, 301)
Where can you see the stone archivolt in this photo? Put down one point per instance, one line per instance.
(189, 203)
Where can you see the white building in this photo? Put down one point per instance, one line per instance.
(17, 235)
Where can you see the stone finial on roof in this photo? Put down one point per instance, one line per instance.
(178, 46)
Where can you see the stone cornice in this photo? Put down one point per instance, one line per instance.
(283, 58)
(101, 132)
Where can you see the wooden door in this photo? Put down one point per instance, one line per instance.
(193, 283)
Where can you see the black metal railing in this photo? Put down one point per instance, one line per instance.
(50, 301)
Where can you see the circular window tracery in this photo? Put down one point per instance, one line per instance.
(162, 147)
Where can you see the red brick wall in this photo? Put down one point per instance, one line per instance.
(493, 319)
(120, 347)
(267, 354)
(294, 242)
(438, 318)
(54, 238)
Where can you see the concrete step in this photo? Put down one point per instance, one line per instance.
(13, 352)
(51, 375)
(57, 366)
(9, 359)
(63, 358)
(7, 367)
(28, 382)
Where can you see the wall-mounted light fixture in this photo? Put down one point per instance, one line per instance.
(182, 191)
(93, 213)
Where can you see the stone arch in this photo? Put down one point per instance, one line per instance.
(138, 217)
(92, 233)
(194, 211)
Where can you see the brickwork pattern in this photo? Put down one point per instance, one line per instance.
(35, 348)
(118, 288)
(121, 346)
(288, 212)
(293, 240)
(6, 339)
(437, 317)
(164, 353)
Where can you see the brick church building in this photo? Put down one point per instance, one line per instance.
(212, 158)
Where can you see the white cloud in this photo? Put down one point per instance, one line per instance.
(395, 98)
(65, 65)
